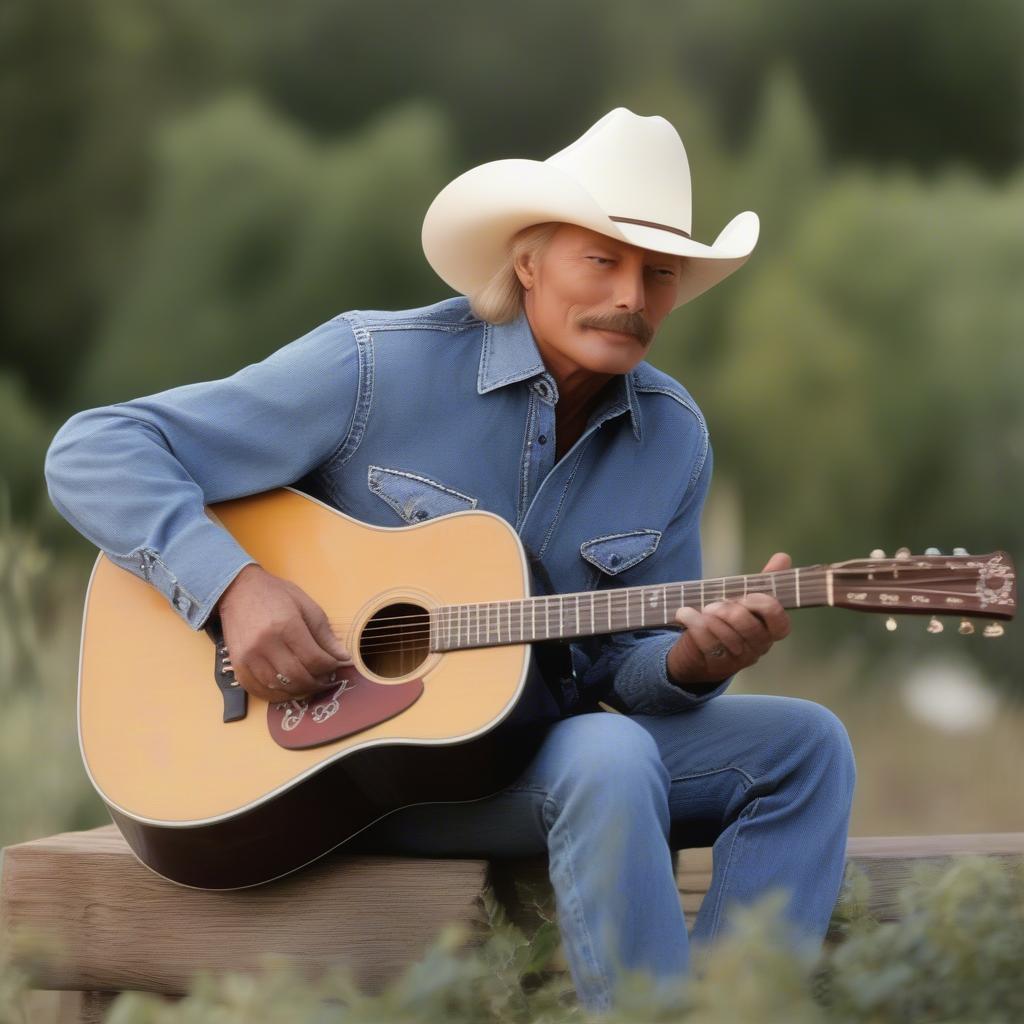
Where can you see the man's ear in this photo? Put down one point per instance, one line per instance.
(524, 268)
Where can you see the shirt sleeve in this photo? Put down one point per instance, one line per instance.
(636, 661)
(133, 477)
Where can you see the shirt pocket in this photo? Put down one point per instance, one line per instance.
(616, 552)
(415, 497)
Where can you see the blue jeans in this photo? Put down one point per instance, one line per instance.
(767, 780)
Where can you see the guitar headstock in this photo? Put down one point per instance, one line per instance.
(968, 586)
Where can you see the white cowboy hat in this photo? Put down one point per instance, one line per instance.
(627, 176)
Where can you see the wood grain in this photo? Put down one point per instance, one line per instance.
(116, 925)
(120, 926)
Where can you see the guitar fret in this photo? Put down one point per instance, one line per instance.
(493, 623)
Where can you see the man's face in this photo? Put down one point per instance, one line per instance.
(596, 301)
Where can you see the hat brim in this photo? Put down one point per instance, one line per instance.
(468, 227)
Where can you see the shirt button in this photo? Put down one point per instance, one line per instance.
(615, 559)
(542, 439)
(420, 513)
(182, 603)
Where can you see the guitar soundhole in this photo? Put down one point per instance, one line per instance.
(396, 640)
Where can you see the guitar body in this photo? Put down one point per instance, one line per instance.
(220, 804)
(217, 789)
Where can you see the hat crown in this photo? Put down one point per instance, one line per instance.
(634, 167)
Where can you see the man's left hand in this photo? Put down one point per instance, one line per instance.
(727, 635)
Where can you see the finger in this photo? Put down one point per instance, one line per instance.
(753, 630)
(316, 661)
(770, 611)
(256, 677)
(320, 629)
(708, 631)
(300, 681)
(780, 560)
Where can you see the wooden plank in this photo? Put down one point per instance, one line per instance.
(120, 926)
(888, 861)
(123, 927)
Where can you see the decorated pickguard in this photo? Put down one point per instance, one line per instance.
(354, 703)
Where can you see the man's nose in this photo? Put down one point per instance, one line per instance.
(630, 290)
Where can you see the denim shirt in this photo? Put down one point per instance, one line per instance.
(395, 417)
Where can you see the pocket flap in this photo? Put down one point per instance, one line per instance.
(415, 497)
(616, 552)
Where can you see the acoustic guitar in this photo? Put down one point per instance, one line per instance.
(217, 789)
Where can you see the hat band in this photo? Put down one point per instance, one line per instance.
(652, 224)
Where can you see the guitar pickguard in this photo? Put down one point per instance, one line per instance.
(353, 704)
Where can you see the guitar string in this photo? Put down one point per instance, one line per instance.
(623, 591)
(625, 596)
(619, 601)
(488, 626)
(408, 636)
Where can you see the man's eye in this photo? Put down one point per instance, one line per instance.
(604, 259)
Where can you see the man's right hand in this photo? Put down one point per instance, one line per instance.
(272, 626)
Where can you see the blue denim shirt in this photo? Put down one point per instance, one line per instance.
(394, 417)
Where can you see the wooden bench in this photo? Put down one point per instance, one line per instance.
(109, 924)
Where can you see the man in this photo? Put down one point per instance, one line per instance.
(527, 395)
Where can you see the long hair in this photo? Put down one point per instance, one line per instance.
(501, 298)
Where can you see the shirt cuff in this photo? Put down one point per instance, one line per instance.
(643, 683)
(193, 571)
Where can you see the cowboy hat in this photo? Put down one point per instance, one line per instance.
(627, 176)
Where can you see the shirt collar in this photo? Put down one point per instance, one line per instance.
(509, 354)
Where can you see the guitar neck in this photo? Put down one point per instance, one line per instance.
(597, 612)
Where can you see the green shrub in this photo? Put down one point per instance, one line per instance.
(955, 955)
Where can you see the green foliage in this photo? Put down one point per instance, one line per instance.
(40, 617)
(24, 436)
(258, 233)
(954, 955)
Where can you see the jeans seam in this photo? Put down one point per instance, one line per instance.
(586, 943)
(716, 911)
(714, 771)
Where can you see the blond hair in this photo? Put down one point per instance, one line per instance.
(501, 298)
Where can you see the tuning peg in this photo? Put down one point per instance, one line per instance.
(890, 624)
(877, 553)
(993, 629)
(959, 551)
(934, 626)
(903, 553)
(932, 551)
(966, 627)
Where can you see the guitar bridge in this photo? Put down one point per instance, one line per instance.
(236, 700)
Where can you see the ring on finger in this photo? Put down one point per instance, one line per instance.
(283, 680)
(718, 651)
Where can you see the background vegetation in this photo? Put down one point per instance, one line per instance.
(188, 186)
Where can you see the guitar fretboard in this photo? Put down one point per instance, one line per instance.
(595, 612)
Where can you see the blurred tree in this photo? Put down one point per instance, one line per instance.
(81, 86)
(24, 436)
(258, 233)
(920, 81)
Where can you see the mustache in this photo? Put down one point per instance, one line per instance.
(627, 323)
